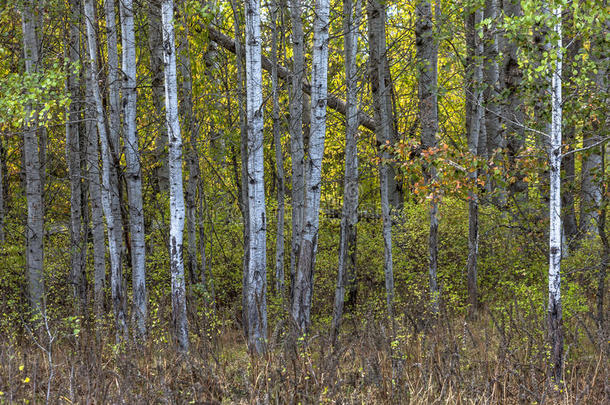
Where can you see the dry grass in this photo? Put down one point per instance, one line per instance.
(490, 361)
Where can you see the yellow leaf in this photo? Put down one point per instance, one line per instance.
(26, 380)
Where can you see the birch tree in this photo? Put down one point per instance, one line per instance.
(380, 84)
(555, 242)
(303, 286)
(93, 174)
(279, 156)
(133, 172)
(155, 43)
(349, 215)
(474, 127)
(297, 147)
(110, 194)
(33, 167)
(73, 158)
(255, 310)
(427, 55)
(176, 193)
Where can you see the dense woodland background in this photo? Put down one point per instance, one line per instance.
(304, 201)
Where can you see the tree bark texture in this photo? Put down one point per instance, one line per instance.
(512, 109)
(279, 155)
(346, 271)
(382, 100)
(381, 89)
(303, 286)
(73, 158)
(33, 167)
(155, 41)
(95, 196)
(427, 55)
(110, 195)
(176, 193)
(297, 147)
(555, 242)
(474, 118)
(133, 172)
(255, 310)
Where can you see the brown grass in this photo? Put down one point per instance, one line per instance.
(495, 360)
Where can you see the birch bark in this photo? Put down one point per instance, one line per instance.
(383, 116)
(110, 196)
(73, 158)
(133, 173)
(95, 195)
(427, 54)
(555, 242)
(176, 194)
(192, 160)
(474, 116)
(297, 147)
(303, 286)
(279, 156)
(33, 168)
(256, 305)
(349, 215)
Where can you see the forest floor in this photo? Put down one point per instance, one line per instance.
(494, 360)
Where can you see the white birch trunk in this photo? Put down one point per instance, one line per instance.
(349, 215)
(95, 195)
(33, 169)
(192, 160)
(109, 186)
(255, 297)
(555, 243)
(176, 194)
(303, 286)
(133, 173)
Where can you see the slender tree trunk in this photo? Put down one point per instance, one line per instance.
(383, 116)
(427, 54)
(243, 188)
(95, 195)
(382, 89)
(133, 173)
(192, 160)
(255, 311)
(303, 287)
(2, 191)
(349, 215)
(512, 109)
(297, 147)
(591, 189)
(279, 156)
(555, 243)
(491, 77)
(33, 168)
(155, 41)
(568, 163)
(176, 196)
(605, 262)
(110, 196)
(73, 158)
(474, 117)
